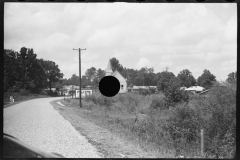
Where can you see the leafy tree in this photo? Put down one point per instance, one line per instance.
(130, 75)
(149, 77)
(164, 78)
(32, 75)
(116, 65)
(74, 80)
(173, 93)
(140, 79)
(85, 81)
(206, 80)
(100, 74)
(11, 68)
(52, 72)
(22, 71)
(186, 78)
(91, 73)
(232, 77)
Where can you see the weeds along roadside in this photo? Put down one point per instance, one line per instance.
(170, 130)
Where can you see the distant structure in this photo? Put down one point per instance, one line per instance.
(194, 89)
(121, 79)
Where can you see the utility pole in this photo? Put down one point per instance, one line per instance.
(80, 91)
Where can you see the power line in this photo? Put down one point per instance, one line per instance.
(123, 16)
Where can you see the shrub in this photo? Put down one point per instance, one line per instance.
(174, 95)
(221, 127)
(158, 103)
(91, 98)
(23, 92)
(88, 105)
(217, 115)
(43, 92)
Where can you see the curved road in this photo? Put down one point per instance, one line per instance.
(37, 123)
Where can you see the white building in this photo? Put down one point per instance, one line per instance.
(195, 89)
(121, 79)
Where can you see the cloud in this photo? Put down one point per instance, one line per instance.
(181, 36)
(142, 63)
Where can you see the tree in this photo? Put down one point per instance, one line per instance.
(116, 65)
(22, 71)
(11, 70)
(32, 74)
(52, 72)
(100, 74)
(74, 80)
(173, 93)
(85, 81)
(91, 73)
(164, 78)
(140, 79)
(186, 78)
(130, 75)
(206, 80)
(232, 77)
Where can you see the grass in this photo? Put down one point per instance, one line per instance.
(120, 122)
(168, 133)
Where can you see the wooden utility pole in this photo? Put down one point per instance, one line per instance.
(80, 92)
(202, 143)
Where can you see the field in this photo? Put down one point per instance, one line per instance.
(171, 131)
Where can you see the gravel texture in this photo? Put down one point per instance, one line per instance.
(37, 123)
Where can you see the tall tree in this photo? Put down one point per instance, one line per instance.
(52, 72)
(100, 74)
(91, 73)
(164, 79)
(206, 80)
(116, 65)
(74, 80)
(11, 71)
(85, 81)
(232, 77)
(186, 78)
(32, 74)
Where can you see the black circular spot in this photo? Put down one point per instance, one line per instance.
(109, 86)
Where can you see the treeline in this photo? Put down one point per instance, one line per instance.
(24, 71)
(146, 77)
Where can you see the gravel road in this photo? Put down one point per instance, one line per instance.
(37, 123)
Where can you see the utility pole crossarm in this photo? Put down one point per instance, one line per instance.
(80, 91)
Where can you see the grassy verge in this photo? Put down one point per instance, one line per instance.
(164, 131)
(120, 121)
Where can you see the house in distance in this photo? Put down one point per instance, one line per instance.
(121, 79)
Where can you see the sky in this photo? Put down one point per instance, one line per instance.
(193, 36)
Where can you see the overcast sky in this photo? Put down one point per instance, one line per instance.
(190, 36)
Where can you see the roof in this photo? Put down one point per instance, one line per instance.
(109, 66)
(117, 73)
(143, 87)
(195, 88)
(70, 87)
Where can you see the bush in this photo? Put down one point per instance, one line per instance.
(23, 92)
(217, 116)
(43, 92)
(88, 105)
(221, 128)
(158, 103)
(130, 100)
(174, 95)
